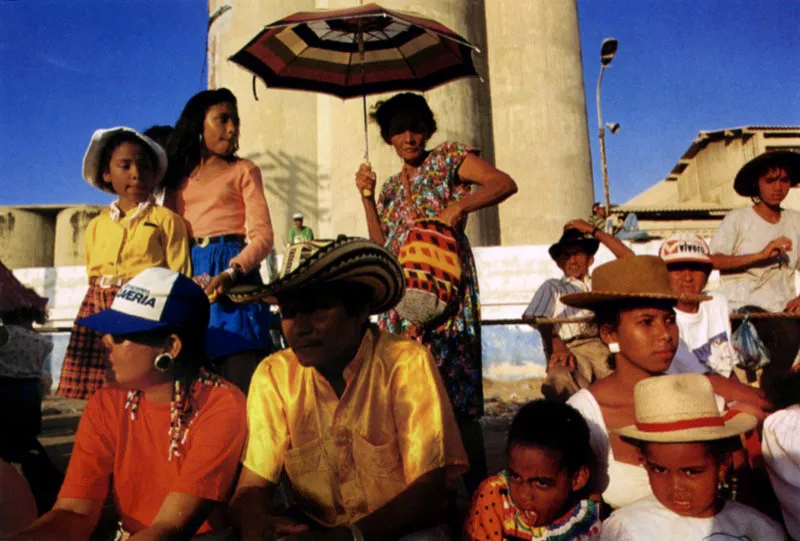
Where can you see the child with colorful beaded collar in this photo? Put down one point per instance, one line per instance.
(542, 493)
(167, 441)
(124, 239)
(685, 445)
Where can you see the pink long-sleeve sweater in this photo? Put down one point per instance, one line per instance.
(231, 204)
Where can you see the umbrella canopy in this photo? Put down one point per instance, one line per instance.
(357, 51)
(15, 296)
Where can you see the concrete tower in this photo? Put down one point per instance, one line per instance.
(541, 134)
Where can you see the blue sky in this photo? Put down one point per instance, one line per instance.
(69, 67)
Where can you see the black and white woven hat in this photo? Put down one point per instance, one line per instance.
(344, 260)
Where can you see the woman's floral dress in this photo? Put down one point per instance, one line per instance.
(456, 343)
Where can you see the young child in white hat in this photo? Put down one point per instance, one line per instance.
(132, 234)
(685, 446)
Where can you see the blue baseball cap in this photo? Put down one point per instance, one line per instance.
(156, 298)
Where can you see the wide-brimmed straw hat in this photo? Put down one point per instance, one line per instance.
(746, 182)
(685, 247)
(100, 138)
(641, 277)
(573, 237)
(681, 408)
(320, 262)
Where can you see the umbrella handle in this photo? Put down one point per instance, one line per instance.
(366, 192)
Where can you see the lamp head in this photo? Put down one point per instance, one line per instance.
(613, 127)
(607, 51)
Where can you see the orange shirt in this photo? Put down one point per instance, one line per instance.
(348, 456)
(232, 203)
(130, 456)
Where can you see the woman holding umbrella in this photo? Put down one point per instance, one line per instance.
(437, 183)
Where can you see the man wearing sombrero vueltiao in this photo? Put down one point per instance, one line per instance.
(357, 418)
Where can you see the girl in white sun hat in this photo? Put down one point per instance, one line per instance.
(685, 445)
(132, 234)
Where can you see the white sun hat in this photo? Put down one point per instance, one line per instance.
(100, 138)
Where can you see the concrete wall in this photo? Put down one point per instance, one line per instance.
(541, 135)
(70, 231)
(26, 238)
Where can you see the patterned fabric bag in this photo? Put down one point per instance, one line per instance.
(432, 270)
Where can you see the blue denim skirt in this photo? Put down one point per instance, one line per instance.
(233, 327)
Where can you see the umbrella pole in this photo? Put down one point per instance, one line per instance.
(366, 136)
(360, 39)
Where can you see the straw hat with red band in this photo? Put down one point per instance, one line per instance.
(641, 277)
(681, 408)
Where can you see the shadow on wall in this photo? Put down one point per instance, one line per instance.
(294, 182)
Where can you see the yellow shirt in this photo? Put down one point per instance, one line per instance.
(347, 457)
(152, 236)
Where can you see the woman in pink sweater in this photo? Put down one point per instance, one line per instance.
(221, 197)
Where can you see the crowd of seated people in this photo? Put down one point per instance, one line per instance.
(367, 425)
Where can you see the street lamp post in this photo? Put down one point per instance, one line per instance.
(607, 51)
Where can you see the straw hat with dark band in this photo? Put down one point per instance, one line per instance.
(681, 408)
(746, 182)
(629, 278)
(344, 260)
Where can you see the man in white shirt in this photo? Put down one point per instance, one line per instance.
(578, 356)
(705, 328)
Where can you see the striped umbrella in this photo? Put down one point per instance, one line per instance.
(355, 52)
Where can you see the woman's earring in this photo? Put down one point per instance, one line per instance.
(164, 362)
(613, 347)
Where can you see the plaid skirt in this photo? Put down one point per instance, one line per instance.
(85, 367)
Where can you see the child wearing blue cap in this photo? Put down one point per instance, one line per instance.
(131, 235)
(167, 441)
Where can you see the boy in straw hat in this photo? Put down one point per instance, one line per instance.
(357, 418)
(577, 355)
(705, 327)
(685, 445)
(131, 235)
